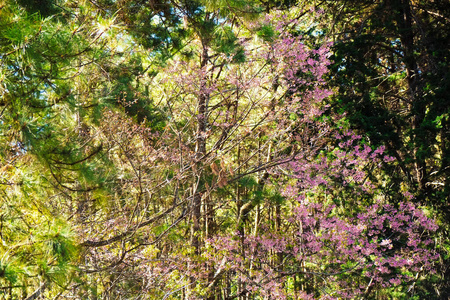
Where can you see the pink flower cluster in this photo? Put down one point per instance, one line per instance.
(383, 246)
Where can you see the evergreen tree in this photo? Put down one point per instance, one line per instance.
(391, 70)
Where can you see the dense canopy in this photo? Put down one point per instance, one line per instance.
(182, 149)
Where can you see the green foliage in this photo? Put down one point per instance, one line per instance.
(43, 7)
(102, 176)
(266, 33)
(8, 271)
(224, 40)
(392, 88)
(247, 9)
(248, 182)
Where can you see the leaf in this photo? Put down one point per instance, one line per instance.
(215, 169)
(222, 182)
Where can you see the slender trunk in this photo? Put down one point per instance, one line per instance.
(200, 151)
(417, 105)
(280, 255)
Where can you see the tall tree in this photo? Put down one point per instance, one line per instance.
(55, 81)
(391, 71)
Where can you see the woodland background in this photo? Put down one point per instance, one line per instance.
(226, 149)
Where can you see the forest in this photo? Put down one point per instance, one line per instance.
(228, 149)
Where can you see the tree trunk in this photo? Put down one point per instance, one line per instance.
(417, 105)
